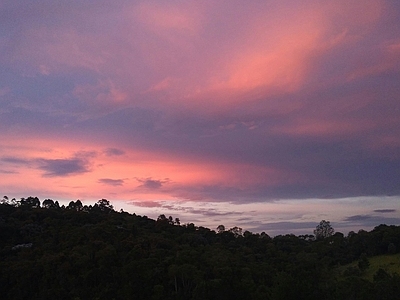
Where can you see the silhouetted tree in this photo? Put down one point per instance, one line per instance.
(237, 231)
(162, 218)
(220, 228)
(323, 230)
(49, 203)
(71, 205)
(103, 205)
(78, 205)
(30, 202)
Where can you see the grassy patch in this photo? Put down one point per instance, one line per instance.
(389, 263)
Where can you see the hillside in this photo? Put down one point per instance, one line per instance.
(390, 263)
(51, 252)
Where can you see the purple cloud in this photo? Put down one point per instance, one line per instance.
(112, 182)
(371, 220)
(357, 218)
(8, 172)
(151, 184)
(150, 204)
(114, 152)
(385, 211)
(285, 227)
(63, 167)
(15, 160)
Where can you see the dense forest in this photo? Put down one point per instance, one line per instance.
(48, 251)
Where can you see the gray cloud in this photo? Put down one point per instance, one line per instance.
(146, 204)
(384, 211)
(8, 172)
(113, 182)
(357, 218)
(151, 184)
(63, 167)
(209, 212)
(114, 152)
(277, 228)
(247, 219)
(215, 193)
(369, 221)
(55, 167)
(15, 160)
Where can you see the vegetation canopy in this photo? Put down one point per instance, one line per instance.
(48, 251)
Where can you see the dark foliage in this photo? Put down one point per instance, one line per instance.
(81, 252)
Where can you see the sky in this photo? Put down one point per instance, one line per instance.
(266, 115)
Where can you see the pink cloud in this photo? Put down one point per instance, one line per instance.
(160, 17)
(180, 58)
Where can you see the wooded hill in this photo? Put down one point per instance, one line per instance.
(81, 252)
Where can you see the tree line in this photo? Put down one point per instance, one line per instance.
(48, 251)
(34, 202)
